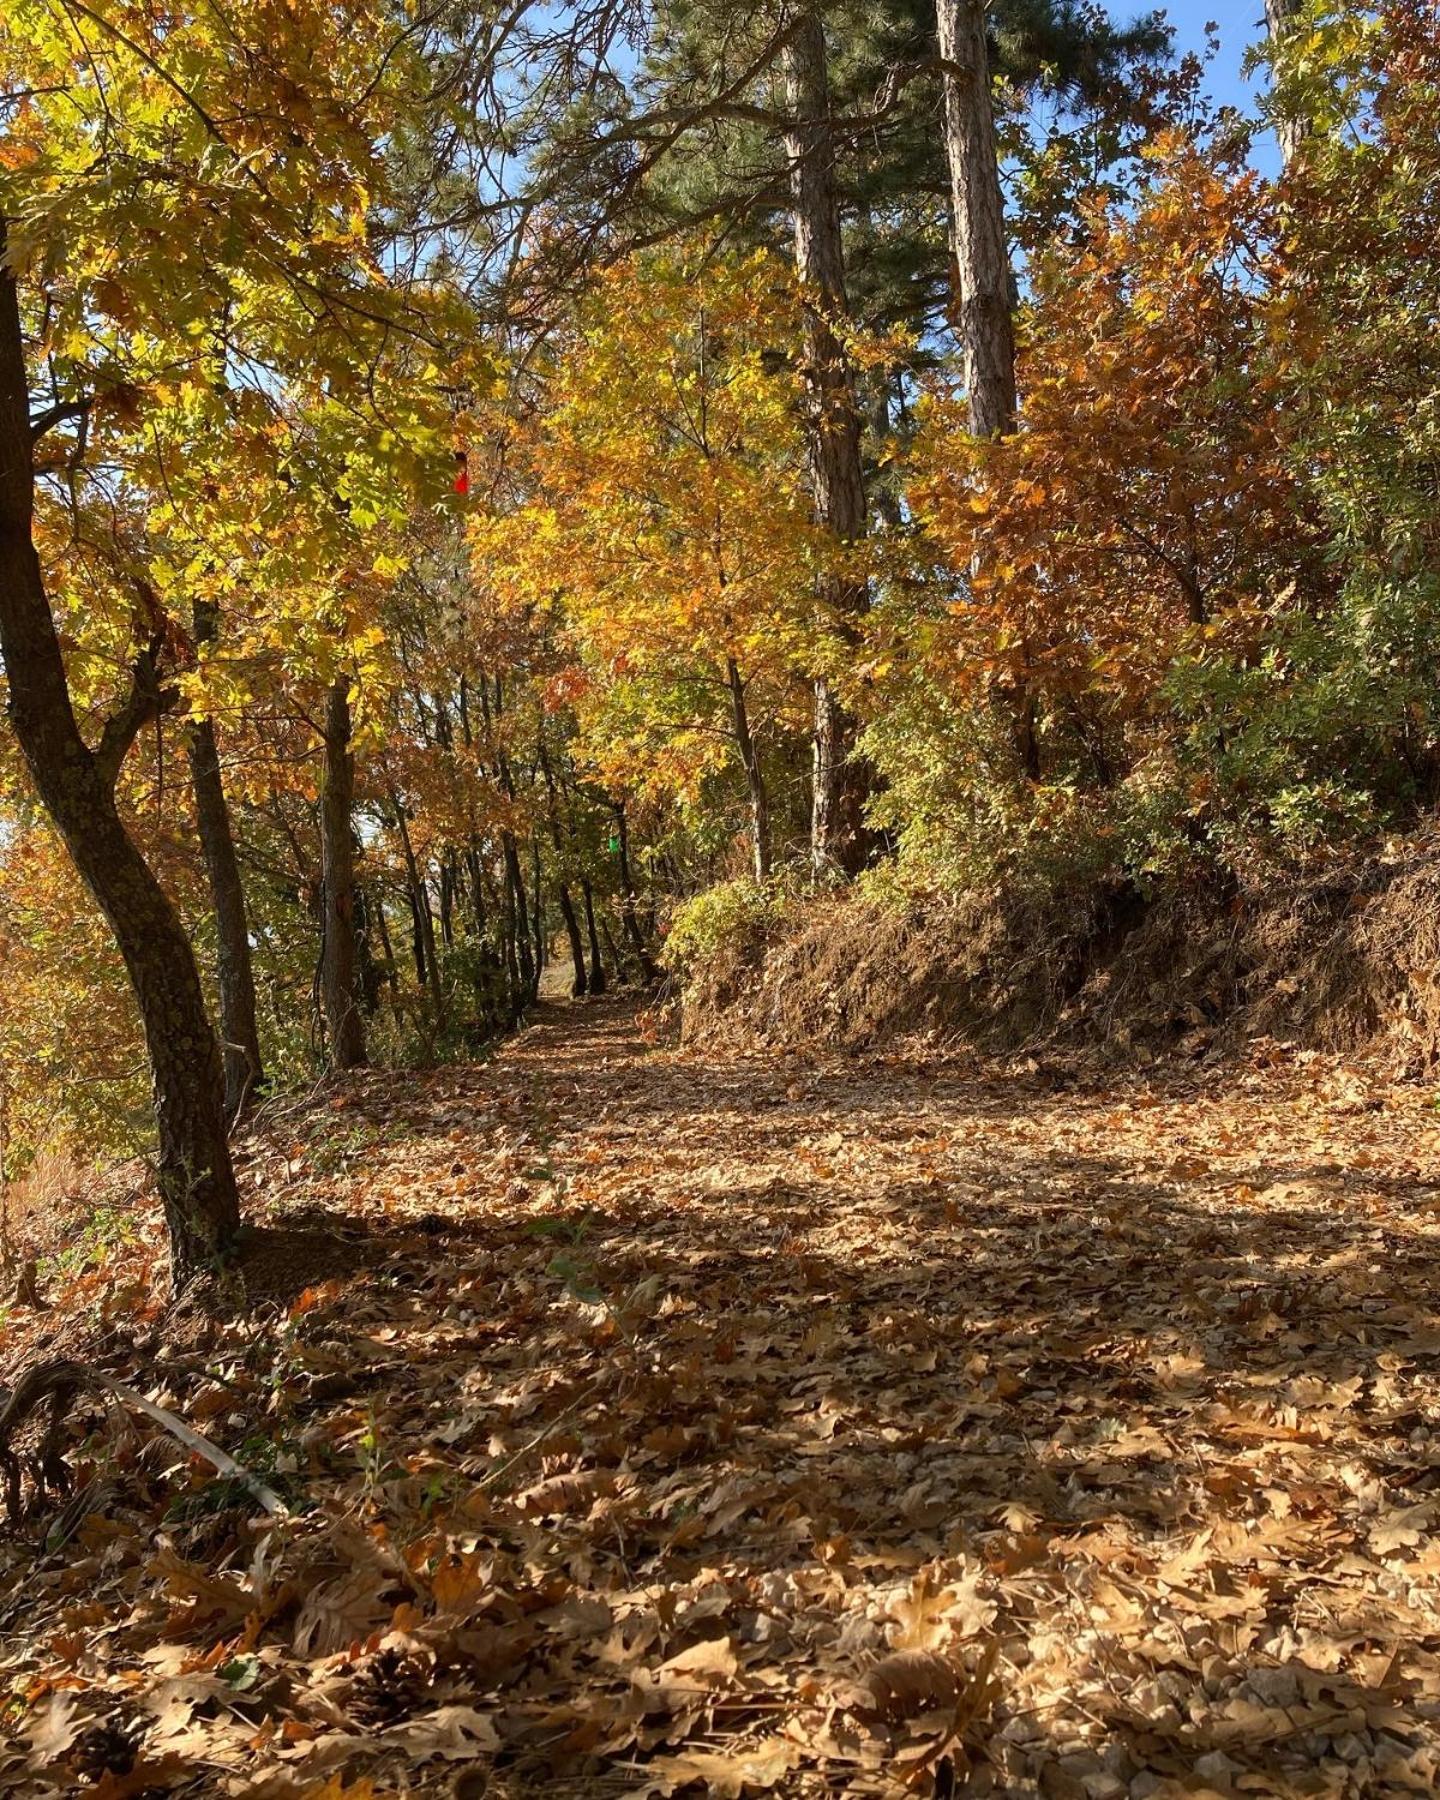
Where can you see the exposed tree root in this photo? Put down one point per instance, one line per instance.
(56, 1383)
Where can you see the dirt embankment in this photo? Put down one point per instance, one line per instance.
(1339, 960)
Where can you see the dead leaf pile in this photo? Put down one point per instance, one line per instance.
(662, 1426)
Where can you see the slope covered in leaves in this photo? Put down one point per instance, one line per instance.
(647, 1424)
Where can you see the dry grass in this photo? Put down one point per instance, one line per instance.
(35, 1209)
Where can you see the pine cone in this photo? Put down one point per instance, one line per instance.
(110, 1748)
(392, 1685)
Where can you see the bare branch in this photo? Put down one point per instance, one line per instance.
(58, 414)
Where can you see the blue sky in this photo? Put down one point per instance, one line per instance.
(1239, 24)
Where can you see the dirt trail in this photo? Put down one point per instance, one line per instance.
(663, 1401)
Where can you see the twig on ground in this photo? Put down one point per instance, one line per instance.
(59, 1382)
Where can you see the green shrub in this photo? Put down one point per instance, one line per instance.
(729, 923)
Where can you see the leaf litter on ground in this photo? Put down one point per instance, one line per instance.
(651, 1424)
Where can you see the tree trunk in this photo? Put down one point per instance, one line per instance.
(597, 962)
(754, 776)
(449, 882)
(616, 956)
(515, 1005)
(239, 1034)
(427, 962)
(1290, 133)
(884, 501)
(538, 914)
(417, 934)
(387, 950)
(982, 260)
(197, 1183)
(628, 911)
(524, 959)
(838, 842)
(982, 307)
(479, 916)
(580, 981)
(370, 973)
(344, 1025)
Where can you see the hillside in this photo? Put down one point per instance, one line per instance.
(1339, 955)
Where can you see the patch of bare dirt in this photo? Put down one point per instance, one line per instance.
(1340, 959)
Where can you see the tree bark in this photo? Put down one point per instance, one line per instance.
(616, 956)
(597, 962)
(427, 961)
(629, 913)
(884, 501)
(382, 929)
(449, 883)
(76, 786)
(479, 915)
(838, 841)
(982, 288)
(754, 775)
(417, 934)
(1290, 133)
(982, 259)
(370, 971)
(526, 975)
(538, 914)
(344, 1023)
(235, 975)
(579, 981)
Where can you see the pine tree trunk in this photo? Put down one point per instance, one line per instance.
(982, 282)
(982, 261)
(1290, 133)
(884, 501)
(838, 841)
(344, 1025)
(235, 975)
(197, 1183)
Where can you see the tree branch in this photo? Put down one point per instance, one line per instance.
(146, 700)
(57, 414)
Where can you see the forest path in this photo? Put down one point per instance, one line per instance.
(669, 1394)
